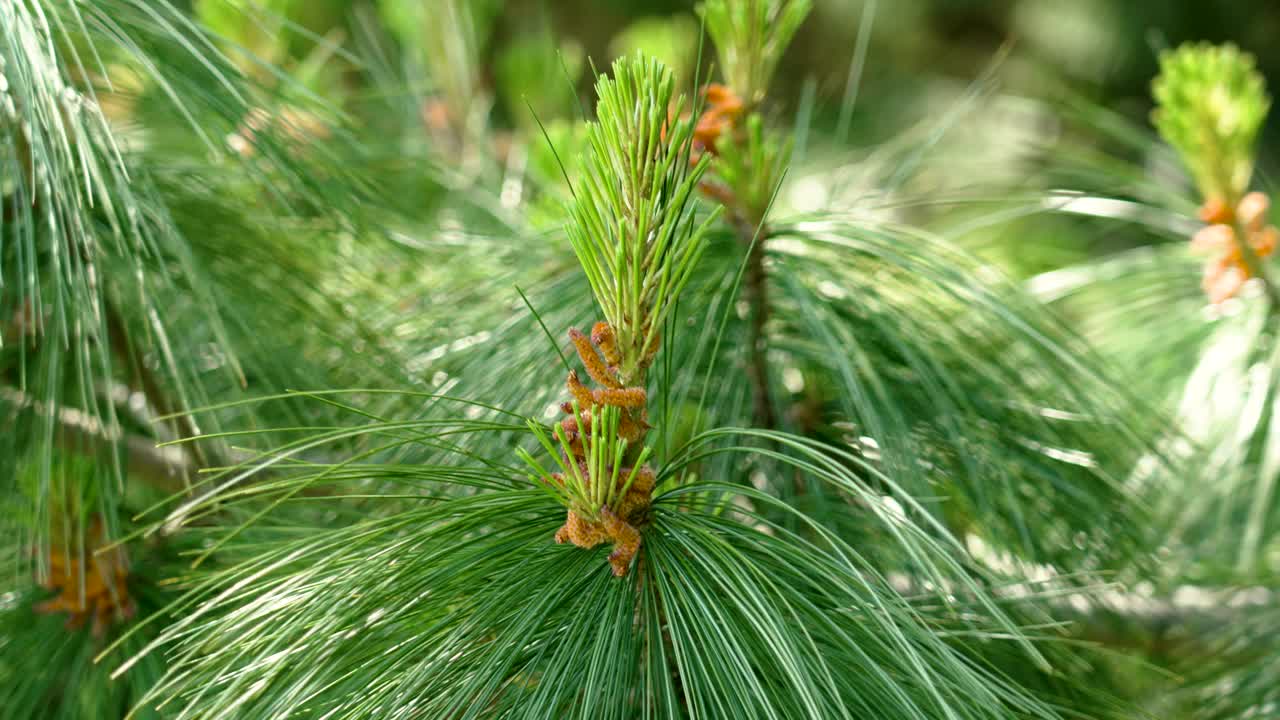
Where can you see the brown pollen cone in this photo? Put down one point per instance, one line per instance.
(721, 113)
(616, 524)
(723, 110)
(92, 585)
(1226, 270)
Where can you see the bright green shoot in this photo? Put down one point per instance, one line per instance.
(1211, 102)
(632, 218)
(750, 37)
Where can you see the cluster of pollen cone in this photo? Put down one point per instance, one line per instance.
(724, 107)
(90, 585)
(613, 524)
(1226, 271)
(722, 112)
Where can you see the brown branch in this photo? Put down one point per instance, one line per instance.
(1189, 622)
(751, 235)
(166, 468)
(184, 427)
(756, 292)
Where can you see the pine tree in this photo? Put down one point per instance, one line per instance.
(324, 397)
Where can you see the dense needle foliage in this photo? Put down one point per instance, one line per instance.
(369, 359)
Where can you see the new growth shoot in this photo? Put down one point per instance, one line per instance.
(634, 231)
(750, 37)
(632, 220)
(748, 161)
(1211, 103)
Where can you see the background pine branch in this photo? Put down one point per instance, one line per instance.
(940, 421)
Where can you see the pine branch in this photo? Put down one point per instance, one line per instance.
(1185, 625)
(157, 398)
(166, 468)
(756, 294)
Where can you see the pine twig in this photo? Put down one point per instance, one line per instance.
(166, 468)
(1187, 623)
(756, 292)
(118, 339)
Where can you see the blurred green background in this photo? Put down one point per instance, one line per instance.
(981, 87)
(967, 116)
(1103, 49)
